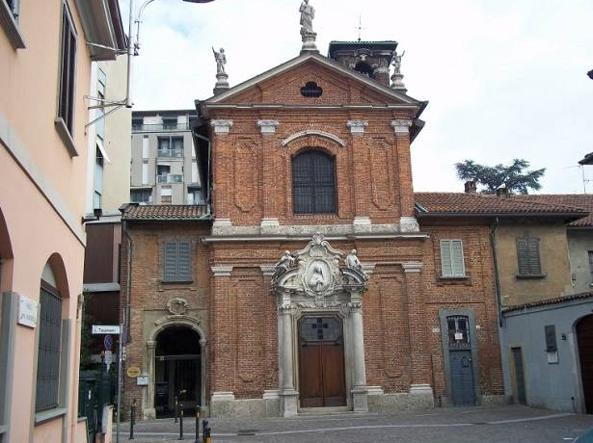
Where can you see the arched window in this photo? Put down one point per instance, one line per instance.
(313, 183)
(365, 69)
(50, 341)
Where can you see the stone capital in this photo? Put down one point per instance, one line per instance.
(222, 270)
(268, 126)
(151, 344)
(221, 127)
(267, 270)
(409, 224)
(412, 266)
(357, 126)
(401, 126)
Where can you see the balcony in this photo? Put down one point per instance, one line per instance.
(161, 127)
(169, 178)
(175, 153)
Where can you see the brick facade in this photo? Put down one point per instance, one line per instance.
(367, 130)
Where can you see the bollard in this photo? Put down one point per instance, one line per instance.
(132, 418)
(176, 407)
(206, 432)
(180, 423)
(197, 424)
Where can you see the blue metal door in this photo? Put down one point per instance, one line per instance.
(462, 378)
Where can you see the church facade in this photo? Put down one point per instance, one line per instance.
(311, 284)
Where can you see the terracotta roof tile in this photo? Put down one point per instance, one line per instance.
(466, 204)
(584, 201)
(166, 212)
(550, 301)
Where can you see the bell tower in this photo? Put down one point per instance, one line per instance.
(366, 57)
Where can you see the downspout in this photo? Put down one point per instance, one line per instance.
(208, 190)
(496, 274)
(124, 324)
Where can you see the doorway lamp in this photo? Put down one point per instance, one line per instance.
(132, 49)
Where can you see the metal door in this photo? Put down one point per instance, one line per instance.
(461, 363)
(321, 362)
(519, 375)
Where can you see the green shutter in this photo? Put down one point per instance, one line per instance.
(170, 262)
(457, 266)
(184, 261)
(447, 270)
(528, 256)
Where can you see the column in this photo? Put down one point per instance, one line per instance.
(359, 389)
(269, 223)
(408, 222)
(419, 353)
(288, 393)
(149, 411)
(222, 171)
(360, 172)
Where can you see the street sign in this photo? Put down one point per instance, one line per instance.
(27, 315)
(105, 329)
(133, 371)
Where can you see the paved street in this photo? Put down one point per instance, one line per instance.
(447, 425)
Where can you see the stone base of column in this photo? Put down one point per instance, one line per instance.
(361, 224)
(221, 226)
(309, 41)
(421, 396)
(269, 226)
(149, 414)
(289, 403)
(360, 399)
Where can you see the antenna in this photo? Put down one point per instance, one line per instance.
(359, 28)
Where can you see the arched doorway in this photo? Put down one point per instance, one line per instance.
(178, 370)
(585, 342)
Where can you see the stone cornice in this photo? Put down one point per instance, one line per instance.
(222, 270)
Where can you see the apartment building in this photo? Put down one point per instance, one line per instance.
(164, 166)
(46, 54)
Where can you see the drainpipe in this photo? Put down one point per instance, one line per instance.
(208, 190)
(124, 322)
(496, 275)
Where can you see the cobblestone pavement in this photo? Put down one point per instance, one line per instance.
(447, 425)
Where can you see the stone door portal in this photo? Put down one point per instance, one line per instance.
(322, 380)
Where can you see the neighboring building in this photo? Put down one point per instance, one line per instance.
(164, 167)
(548, 325)
(45, 74)
(313, 157)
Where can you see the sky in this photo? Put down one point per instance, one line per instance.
(504, 78)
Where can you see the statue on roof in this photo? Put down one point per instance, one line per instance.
(220, 60)
(397, 62)
(307, 15)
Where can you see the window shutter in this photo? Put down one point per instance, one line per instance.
(457, 265)
(170, 265)
(184, 261)
(314, 183)
(446, 267)
(551, 345)
(528, 256)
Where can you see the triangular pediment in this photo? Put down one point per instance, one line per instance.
(283, 85)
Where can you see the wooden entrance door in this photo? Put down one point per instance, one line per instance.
(321, 362)
(585, 341)
(461, 365)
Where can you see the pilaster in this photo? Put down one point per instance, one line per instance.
(149, 412)
(401, 127)
(420, 357)
(269, 164)
(360, 168)
(222, 163)
(222, 355)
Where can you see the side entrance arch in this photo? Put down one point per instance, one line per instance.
(176, 366)
(584, 331)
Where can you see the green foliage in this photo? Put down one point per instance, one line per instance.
(514, 177)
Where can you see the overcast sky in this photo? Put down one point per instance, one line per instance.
(505, 78)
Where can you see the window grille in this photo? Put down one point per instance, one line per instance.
(67, 71)
(314, 183)
(458, 332)
(528, 256)
(452, 263)
(48, 360)
(177, 261)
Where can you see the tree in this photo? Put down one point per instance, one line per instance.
(515, 178)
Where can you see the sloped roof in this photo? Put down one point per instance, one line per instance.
(551, 301)
(166, 212)
(584, 201)
(488, 205)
